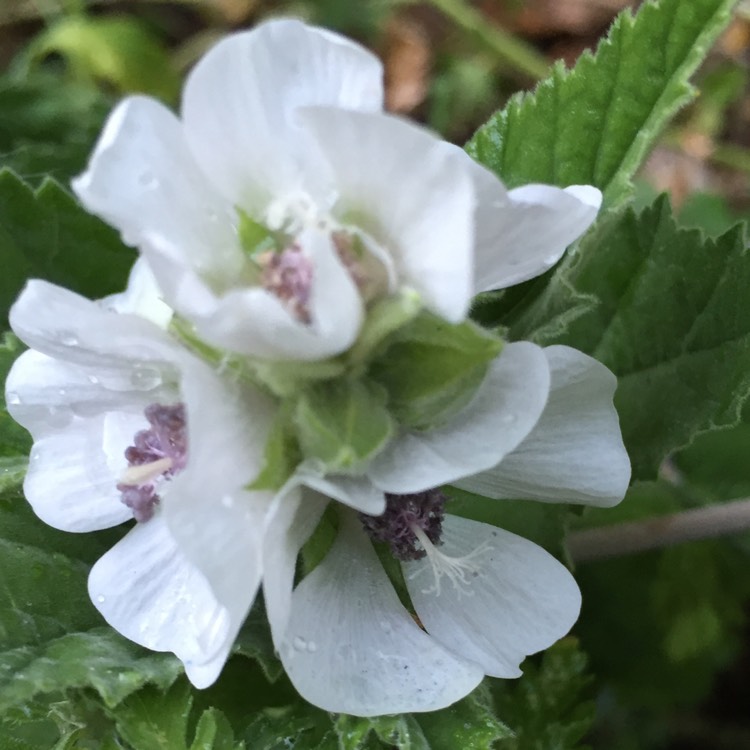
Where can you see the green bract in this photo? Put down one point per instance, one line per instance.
(431, 368)
(343, 423)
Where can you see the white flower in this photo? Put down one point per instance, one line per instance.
(282, 132)
(274, 216)
(82, 390)
(542, 426)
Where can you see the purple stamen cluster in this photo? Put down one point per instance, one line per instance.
(289, 275)
(425, 510)
(166, 438)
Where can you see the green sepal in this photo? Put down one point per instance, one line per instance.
(343, 423)
(254, 237)
(432, 368)
(281, 455)
(386, 316)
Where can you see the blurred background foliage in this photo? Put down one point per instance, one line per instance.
(665, 635)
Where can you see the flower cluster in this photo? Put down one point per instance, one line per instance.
(295, 331)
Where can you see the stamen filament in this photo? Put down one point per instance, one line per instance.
(145, 473)
(456, 568)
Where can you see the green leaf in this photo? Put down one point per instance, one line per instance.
(343, 423)
(432, 368)
(296, 727)
(120, 52)
(152, 720)
(547, 707)
(51, 637)
(595, 124)
(48, 125)
(665, 309)
(15, 442)
(46, 234)
(254, 641)
(469, 724)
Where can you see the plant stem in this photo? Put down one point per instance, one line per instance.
(515, 52)
(655, 533)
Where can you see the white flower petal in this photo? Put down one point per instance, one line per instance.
(142, 296)
(148, 591)
(255, 322)
(358, 493)
(575, 453)
(523, 232)
(521, 601)
(143, 180)
(45, 394)
(72, 478)
(289, 524)
(398, 183)
(352, 647)
(240, 100)
(64, 325)
(216, 523)
(501, 414)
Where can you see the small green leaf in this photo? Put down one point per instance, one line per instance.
(45, 234)
(469, 724)
(595, 124)
(432, 368)
(548, 706)
(120, 52)
(401, 731)
(152, 720)
(254, 642)
(343, 423)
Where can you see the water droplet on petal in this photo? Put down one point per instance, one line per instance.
(145, 378)
(312, 647)
(550, 260)
(385, 626)
(12, 398)
(509, 418)
(68, 338)
(93, 379)
(299, 643)
(148, 180)
(227, 501)
(62, 391)
(101, 599)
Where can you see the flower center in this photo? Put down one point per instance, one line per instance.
(408, 520)
(288, 274)
(157, 453)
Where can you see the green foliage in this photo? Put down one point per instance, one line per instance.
(469, 724)
(343, 423)
(51, 637)
(689, 602)
(431, 368)
(688, 374)
(15, 442)
(48, 126)
(152, 720)
(121, 53)
(595, 124)
(45, 234)
(549, 708)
